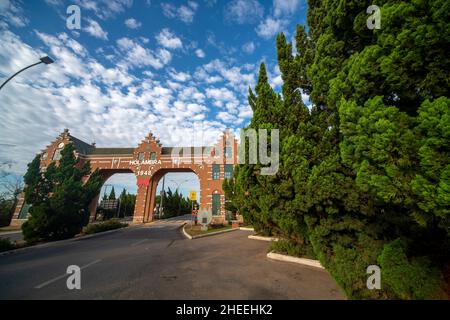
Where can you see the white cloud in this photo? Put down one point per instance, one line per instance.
(226, 117)
(133, 23)
(237, 78)
(138, 56)
(220, 96)
(54, 2)
(270, 27)
(168, 39)
(200, 53)
(105, 9)
(285, 7)
(95, 30)
(275, 79)
(248, 47)
(179, 76)
(185, 13)
(12, 13)
(120, 106)
(243, 11)
(191, 93)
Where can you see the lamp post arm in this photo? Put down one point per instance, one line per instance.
(15, 74)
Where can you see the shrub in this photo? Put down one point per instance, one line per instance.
(104, 226)
(6, 244)
(292, 249)
(416, 278)
(59, 197)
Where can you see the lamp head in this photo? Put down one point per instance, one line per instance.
(46, 60)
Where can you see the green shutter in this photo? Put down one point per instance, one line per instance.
(216, 204)
(216, 171)
(228, 171)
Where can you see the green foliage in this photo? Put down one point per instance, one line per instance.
(292, 249)
(112, 194)
(6, 245)
(103, 226)
(7, 205)
(431, 184)
(127, 203)
(415, 279)
(369, 161)
(59, 198)
(229, 189)
(175, 204)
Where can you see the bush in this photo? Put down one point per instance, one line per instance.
(6, 211)
(6, 245)
(59, 197)
(292, 249)
(104, 226)
(409, 279)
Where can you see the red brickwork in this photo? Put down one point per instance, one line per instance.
(150, 161)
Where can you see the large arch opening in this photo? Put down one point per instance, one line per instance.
(172, 193)
(117, 196)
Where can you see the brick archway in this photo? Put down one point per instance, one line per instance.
(148, 194)
(149, 161)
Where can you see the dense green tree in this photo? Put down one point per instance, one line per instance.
(364, 173)
(175, 204)
(229, 190)
(59, 197)
(127, 203)
(112, 194)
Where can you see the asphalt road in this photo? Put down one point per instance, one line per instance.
(157, 262)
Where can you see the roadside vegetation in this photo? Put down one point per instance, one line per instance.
(6, 245)
(291, 248)
(364, 175)
(103, 226)
(174, 204)
(58, 197)
(124, 209)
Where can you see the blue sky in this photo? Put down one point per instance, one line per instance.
(180, 69)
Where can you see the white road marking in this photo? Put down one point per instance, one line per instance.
(40, 286)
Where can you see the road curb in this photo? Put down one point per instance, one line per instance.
(246, 229)
(285, 258)
(9, 232)
(49, 244)
(205, 235)
(261, 238)
(185, 233)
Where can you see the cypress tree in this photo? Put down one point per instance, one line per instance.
(59, 198)
(364, 174)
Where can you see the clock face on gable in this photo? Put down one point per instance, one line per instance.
(61, 145)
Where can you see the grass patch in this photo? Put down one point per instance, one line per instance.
(195, 230)
(292, 249)
(104, 226)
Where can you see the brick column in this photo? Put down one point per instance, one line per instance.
(139, 207)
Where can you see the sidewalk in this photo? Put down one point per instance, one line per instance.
(12, 235)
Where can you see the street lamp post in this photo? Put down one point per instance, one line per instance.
(44, 60)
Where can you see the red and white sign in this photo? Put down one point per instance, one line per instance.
(143, 182)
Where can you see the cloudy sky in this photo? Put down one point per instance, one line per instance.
(180, 69)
